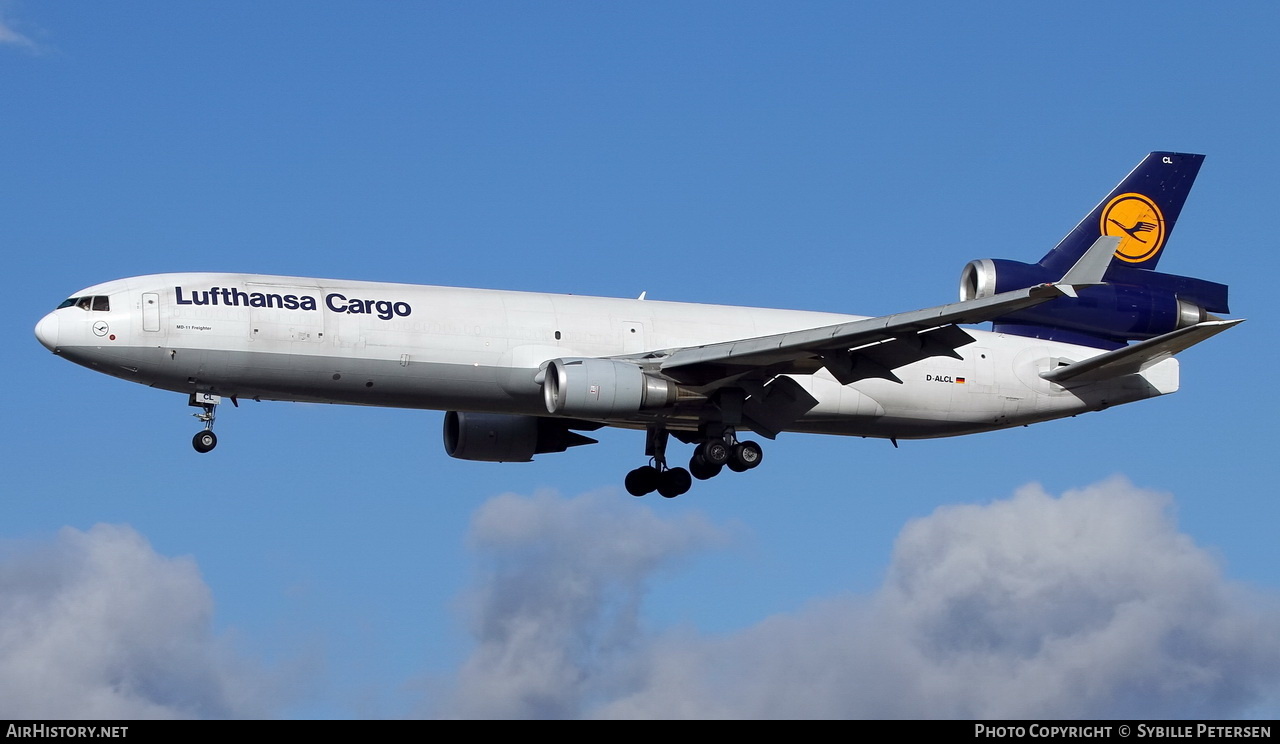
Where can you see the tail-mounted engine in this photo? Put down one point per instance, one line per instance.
(1133, 304)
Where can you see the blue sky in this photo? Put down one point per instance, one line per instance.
(334, 562)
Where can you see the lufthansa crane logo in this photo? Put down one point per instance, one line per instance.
(1139, 224)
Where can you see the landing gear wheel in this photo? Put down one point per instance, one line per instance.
(714, 452)
(745, 456)
(674, 482)
(699, 468)
(204, 441)
(642, 480)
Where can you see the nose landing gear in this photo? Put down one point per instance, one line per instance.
(205, 440)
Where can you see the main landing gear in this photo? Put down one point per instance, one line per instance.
(205, 440)
(670, 482)
(656, 476)
(713, 453)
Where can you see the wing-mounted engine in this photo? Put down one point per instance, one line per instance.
(603, 388)
(1133, 304)
(496, 437)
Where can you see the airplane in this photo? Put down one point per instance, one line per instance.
(1089, 326)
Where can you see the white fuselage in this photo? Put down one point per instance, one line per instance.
(366, 343)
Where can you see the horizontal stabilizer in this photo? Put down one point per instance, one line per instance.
(1137, 357)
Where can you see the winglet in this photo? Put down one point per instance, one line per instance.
(1091, 267)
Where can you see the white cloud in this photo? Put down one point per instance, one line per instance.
(12, 38)
(1088, 605)
(96, 624)
(556, 606)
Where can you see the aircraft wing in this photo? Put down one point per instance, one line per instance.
(867, 348)
(885, 342)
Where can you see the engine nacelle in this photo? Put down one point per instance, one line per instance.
(1133, 304)
(499, 437)
(988, 276)
(602, 388)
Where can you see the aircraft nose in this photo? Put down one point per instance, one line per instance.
(47, 331)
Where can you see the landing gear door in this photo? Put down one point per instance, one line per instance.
(150, 312)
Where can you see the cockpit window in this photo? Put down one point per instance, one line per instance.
(100, 303)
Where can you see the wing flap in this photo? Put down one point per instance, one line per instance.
(780, 403)
(881, 358)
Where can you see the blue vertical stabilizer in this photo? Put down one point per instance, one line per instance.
(1141, 211)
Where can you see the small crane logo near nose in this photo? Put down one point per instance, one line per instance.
(100, 328)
